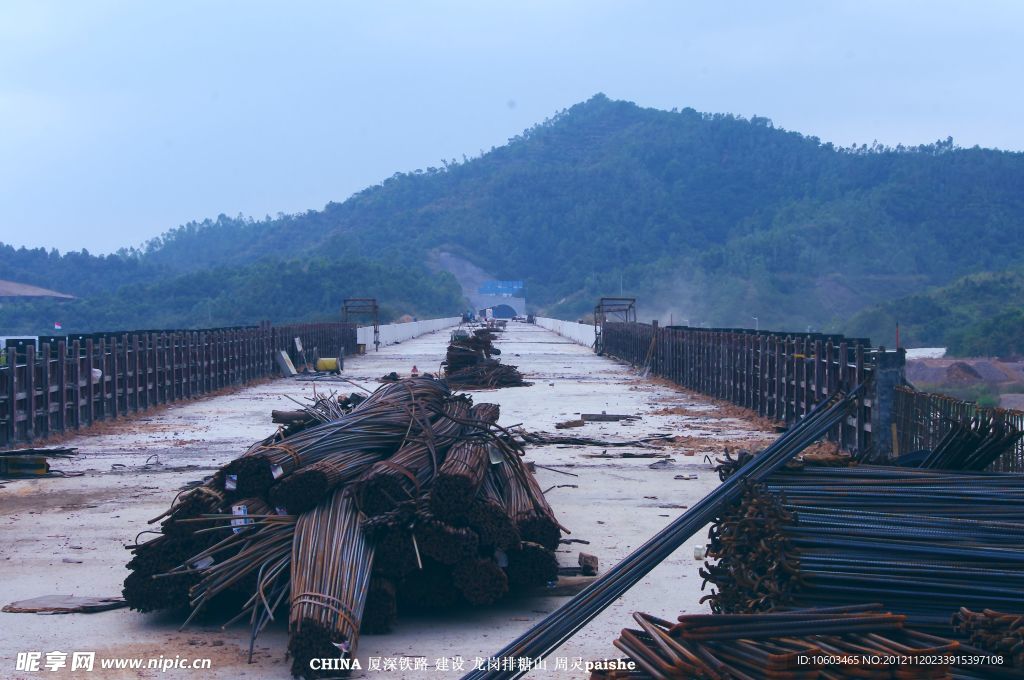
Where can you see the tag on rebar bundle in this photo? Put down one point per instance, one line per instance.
(231, 482)
(203, 563)
(281, 511)
(242, 521)
(501, 558)
(276, 470)
(495, 455)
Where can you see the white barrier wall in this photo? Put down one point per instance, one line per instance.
(397, 332)
(580, 333)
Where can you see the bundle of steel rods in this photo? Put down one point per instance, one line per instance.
(486, 375)
(993, 631)
(922, 542)
(331, 565)
(547, 635)
(468, 363)
(379, 424)
(488, 516)
(320, 408)
(974, 445)
(853, 641)
(403, 477)
(476, 554)
(411, 497)
(308, 486)
(459, 479)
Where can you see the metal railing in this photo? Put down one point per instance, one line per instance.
(68, 385)
(923, 419)
(781, 376)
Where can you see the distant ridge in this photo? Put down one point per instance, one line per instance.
(709, 219)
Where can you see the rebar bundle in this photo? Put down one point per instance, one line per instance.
(475, 558)
(481, 581)
(993, 631)
(854, 641)
(487, 375)
(459, 479)
(924, 543)
(485, 412)
(429, 588)
(393, 414)
(525, 504)
(490, 519)
(405, 476)
(531, 565)
(468, 364)
(396, 553)
(345, 522)
(974, 445)
(443, 542)
(307, 487)
(331, 565)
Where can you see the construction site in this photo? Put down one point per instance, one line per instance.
(500, 499)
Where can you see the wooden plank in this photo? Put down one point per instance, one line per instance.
(90, 385)
(175, 341)
(152, 368)
(161, 367)
(136, 367)
(102, 406)
(819, 371)
(47, 359)
(76, 383)
(62, 383)
(189, 364)
(861, 418)
(779, 410)
(761, 367)
(801, 376)
(114, 378)
(123, 368)
(30, 393)
(844, 381)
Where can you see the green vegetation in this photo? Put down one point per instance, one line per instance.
(978, 315)
(278, 291)
(714, 218)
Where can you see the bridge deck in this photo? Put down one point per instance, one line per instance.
(65, 535)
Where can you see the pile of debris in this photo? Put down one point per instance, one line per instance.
(854, 641)
(469, 362)
(921, 542)
(411, 497)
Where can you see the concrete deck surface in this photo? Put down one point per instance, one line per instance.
(66, 535)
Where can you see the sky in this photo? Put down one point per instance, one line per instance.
(122, 120)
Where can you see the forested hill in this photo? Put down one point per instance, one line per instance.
(712, 218)
(981, 314)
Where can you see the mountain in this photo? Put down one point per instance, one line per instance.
(281, 291)
(711, 218)
(977, 315)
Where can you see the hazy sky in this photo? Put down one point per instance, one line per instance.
(121, 120)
